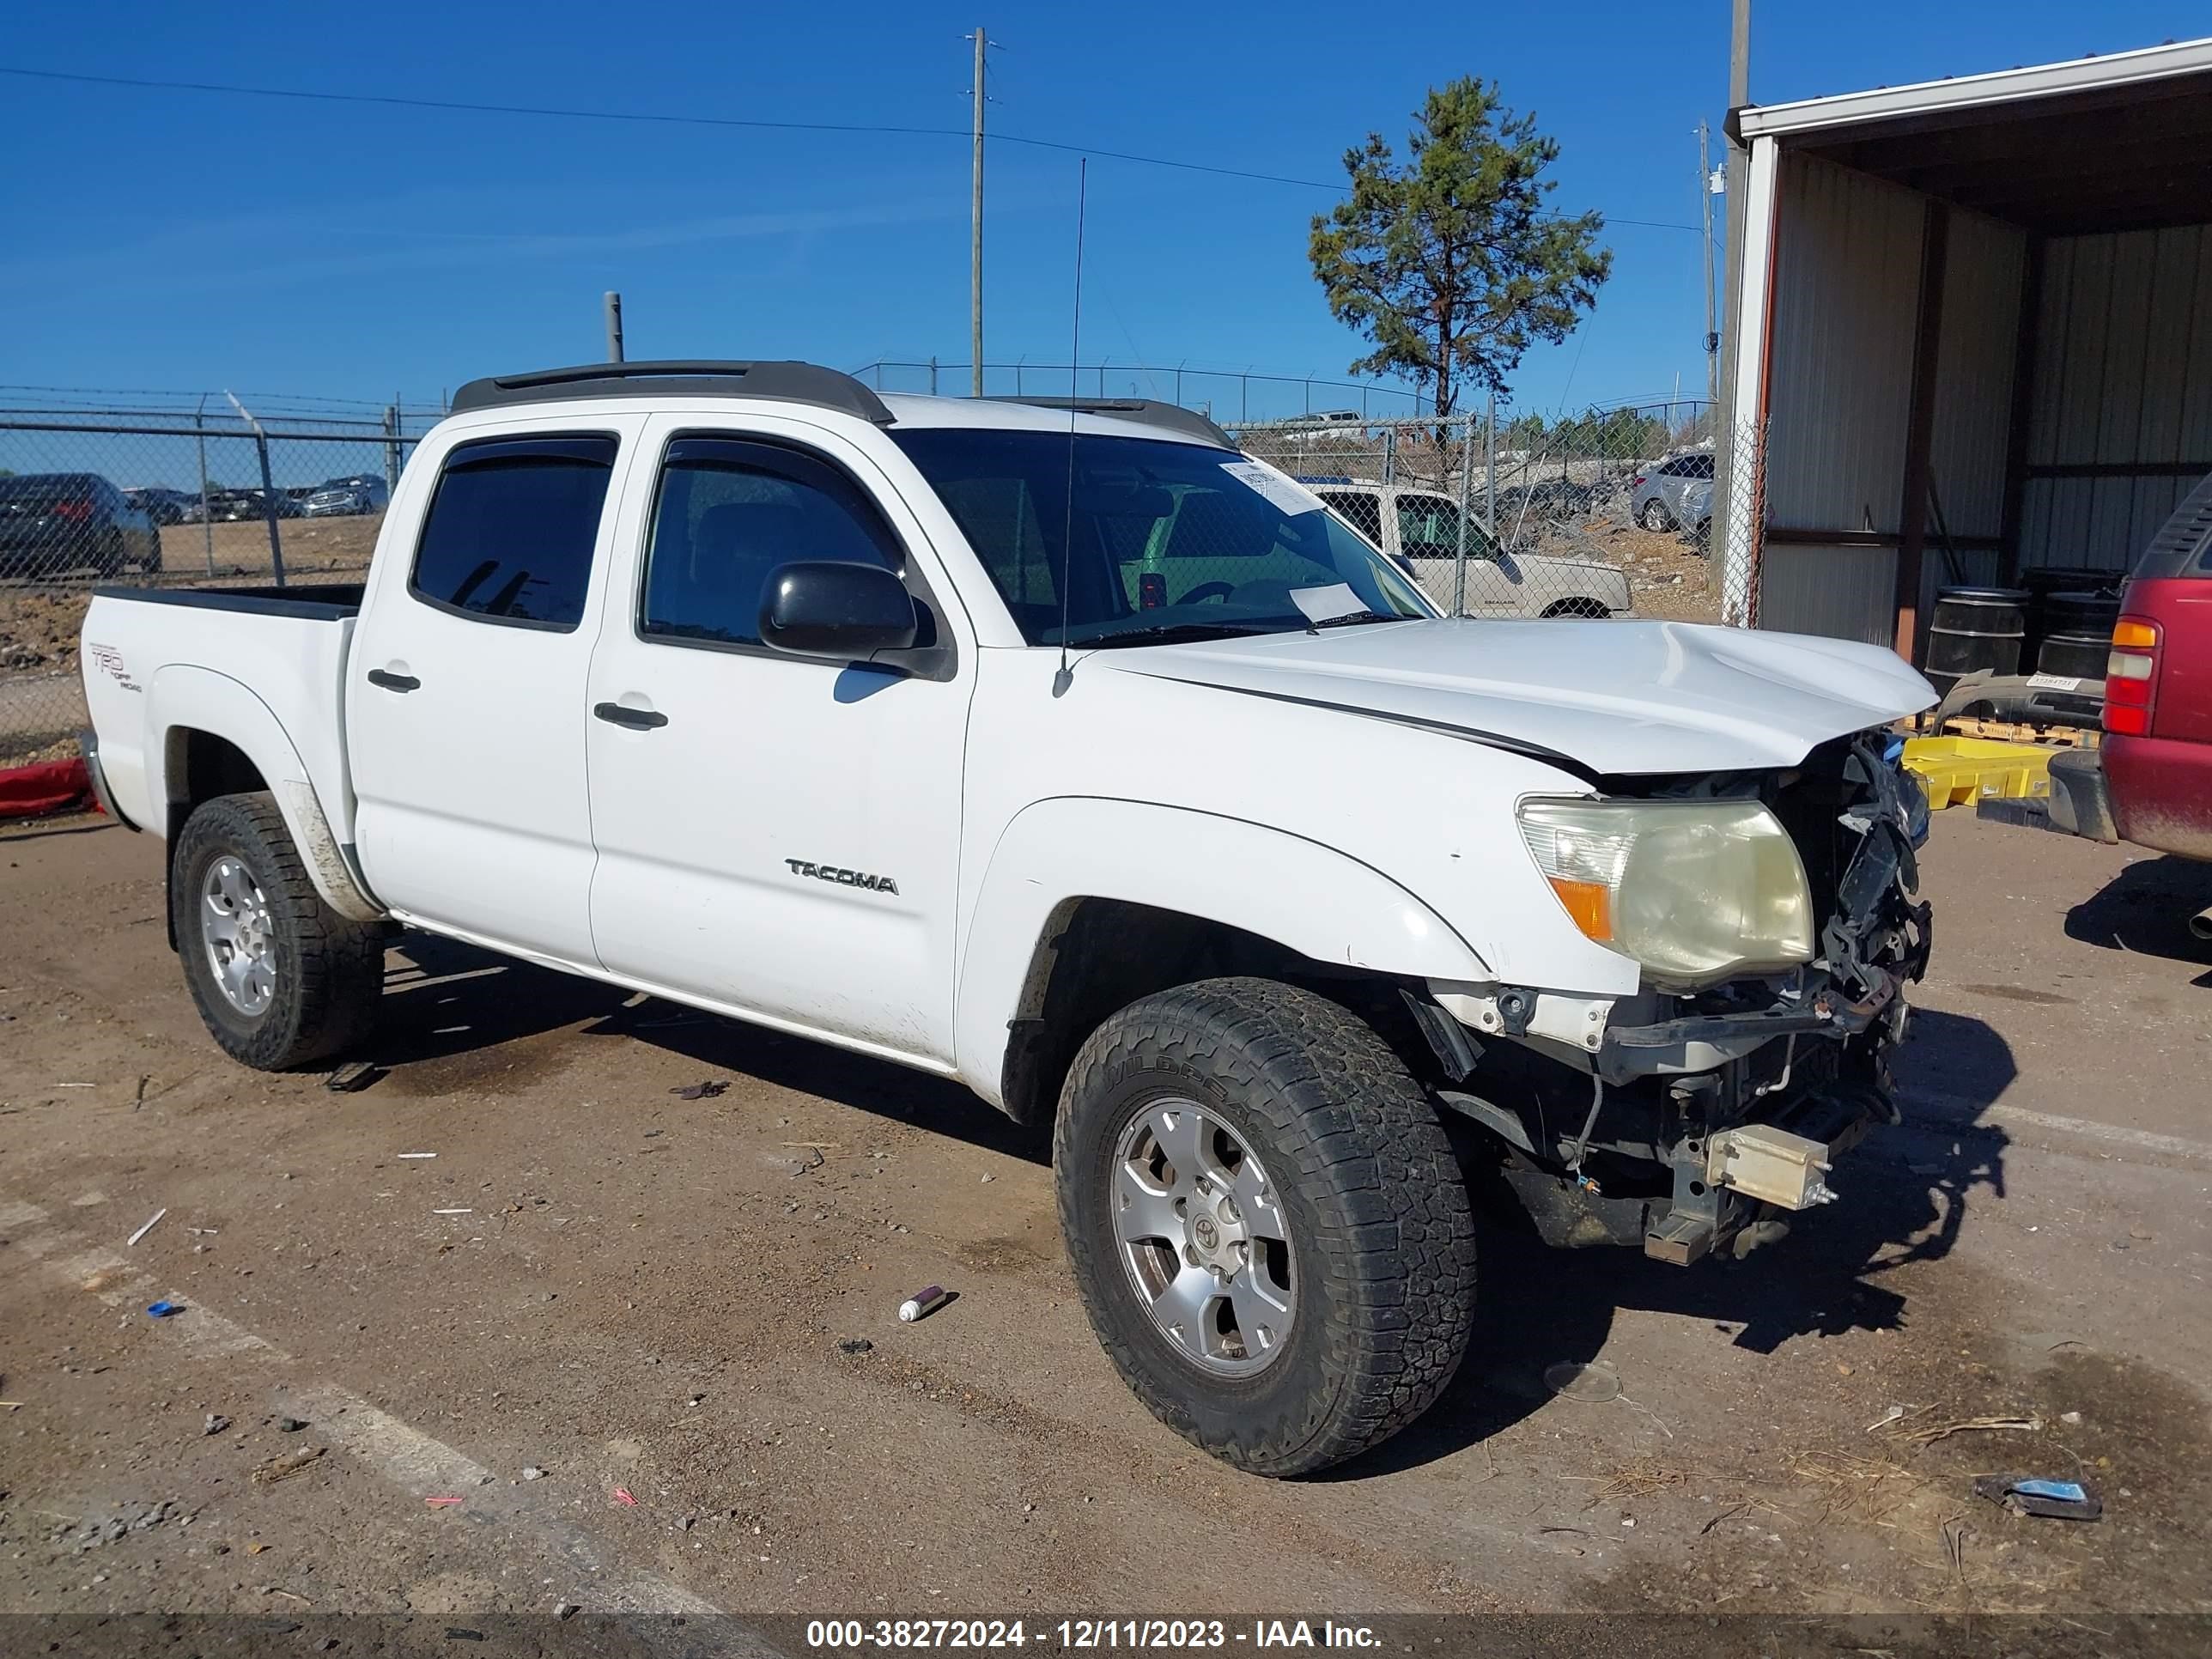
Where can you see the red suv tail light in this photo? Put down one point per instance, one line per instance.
(75, 512)
(2131, 676)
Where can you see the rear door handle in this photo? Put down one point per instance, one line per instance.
(391, 682)
(638, 719)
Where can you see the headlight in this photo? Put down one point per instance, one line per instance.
(1696, 891)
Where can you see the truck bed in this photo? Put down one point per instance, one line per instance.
(263, 667)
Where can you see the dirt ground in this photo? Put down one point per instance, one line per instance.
(680, 1313)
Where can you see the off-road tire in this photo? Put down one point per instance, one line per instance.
(1377, 1207)
(330, 970)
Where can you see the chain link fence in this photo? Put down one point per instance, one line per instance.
(1610, 513)
(157, 498)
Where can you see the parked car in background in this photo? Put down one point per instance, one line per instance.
(1419, 529)
(58, 523)
(162, 506)
(235, 506)
(2150, 783)
(363, 492)
(1676, 494)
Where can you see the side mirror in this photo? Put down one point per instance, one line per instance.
(821, 608)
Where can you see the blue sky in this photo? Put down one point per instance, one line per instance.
(184, 239)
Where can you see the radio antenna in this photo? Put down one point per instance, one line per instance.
(1061, 680)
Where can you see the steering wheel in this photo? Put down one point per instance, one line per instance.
(1206, 591)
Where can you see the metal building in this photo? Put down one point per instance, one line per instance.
(1975, 324)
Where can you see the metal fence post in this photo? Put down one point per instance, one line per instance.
(269, 506)
(391, 444)
(932, 375)
(1490, 467)
(1390, 454)
(1466, 473)
(207, 524)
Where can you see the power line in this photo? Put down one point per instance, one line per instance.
(555, 111)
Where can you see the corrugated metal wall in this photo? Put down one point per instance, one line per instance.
(1984, 266)
(1846, 289)
(2123, 376)
(1846, 320)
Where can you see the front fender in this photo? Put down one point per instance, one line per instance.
(1309, 898)
(182, 698)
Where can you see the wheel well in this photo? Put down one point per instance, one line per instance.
(201, 766)
(1097, 956)
(1577, 607)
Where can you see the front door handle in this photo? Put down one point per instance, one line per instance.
(638, 719)
(391, 682)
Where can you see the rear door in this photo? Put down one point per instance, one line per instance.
(778, 835)
(465, 698)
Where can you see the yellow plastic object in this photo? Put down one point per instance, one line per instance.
(1957, 770)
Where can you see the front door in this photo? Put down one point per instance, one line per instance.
(464, 693)
(778, 835)
(1428, 534)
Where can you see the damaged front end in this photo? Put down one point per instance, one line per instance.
(1690, 1121)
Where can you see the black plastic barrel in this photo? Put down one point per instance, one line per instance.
(2044, 584)
(2077, 634)
(1975, 628)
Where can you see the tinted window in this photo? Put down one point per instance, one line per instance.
(1362, 512)
(1689, 466)
(1166, 538)
(510, 531)
(1428, 528)
(729, 513)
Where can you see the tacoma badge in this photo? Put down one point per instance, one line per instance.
(843, 878)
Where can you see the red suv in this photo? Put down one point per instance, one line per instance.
(2151, 783)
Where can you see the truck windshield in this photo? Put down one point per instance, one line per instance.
(1160, 539)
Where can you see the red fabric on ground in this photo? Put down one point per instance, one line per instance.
(31, 792)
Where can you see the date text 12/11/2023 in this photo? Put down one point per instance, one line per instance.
(1080, 1635)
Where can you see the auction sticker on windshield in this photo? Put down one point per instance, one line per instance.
(1281, 491)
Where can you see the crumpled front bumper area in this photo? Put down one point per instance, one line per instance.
(1705, 1128)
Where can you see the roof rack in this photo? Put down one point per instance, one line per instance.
(790, 382)
(1173, 417)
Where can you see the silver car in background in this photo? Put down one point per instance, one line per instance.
(362, 492)
(1676, 494)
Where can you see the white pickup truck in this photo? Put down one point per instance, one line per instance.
(1067, 752)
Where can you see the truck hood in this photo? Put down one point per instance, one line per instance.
(1617, 698)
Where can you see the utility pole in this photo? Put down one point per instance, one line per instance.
(976, 227)
(1735, 461)
(613, 302)
(1705, 203)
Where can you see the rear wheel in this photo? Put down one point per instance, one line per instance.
(279, 977)
(1267, 1222)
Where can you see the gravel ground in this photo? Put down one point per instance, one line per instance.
(679, 1313)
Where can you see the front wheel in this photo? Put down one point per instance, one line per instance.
(280, 978)
(1656, 517)
(1267, 1222)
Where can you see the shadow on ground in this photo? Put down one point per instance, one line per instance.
(454, 1014)
(2145, 910)
(451, 1005)
(1907, 1195)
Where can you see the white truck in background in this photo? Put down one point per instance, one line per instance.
(1067, 752)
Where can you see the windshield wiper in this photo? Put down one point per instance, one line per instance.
(1351, 618)
(1166, 632)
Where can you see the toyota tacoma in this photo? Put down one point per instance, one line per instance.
(1070, 753)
